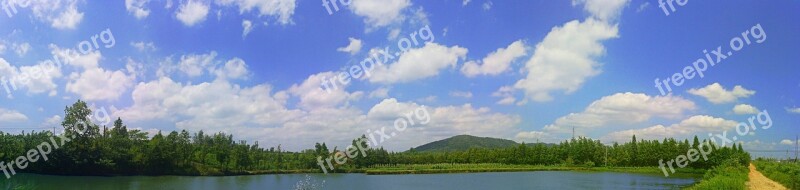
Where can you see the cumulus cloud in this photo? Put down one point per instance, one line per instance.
(623, 108)
(260, 113)
(99, 84)
(379, 13)
(138, 8)
(506, 93)
(192, 12)
(313, 96)
(602, 9)
(742, 109)
(496, 62)
(382, 92)
(787, 142)
(418, 63)
(564, 60)
(717, 94)
(694, 125)
(36, 79)
(62, 14)
(7, 115)
(352, 48)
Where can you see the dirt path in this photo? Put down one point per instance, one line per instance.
(758, 181)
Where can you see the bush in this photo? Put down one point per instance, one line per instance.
(729, 175)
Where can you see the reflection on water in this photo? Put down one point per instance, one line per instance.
(513, 180)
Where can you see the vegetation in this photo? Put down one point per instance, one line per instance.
(729, 175)
(785, 173)
(119, 151)
(465, 142)
(490, 167)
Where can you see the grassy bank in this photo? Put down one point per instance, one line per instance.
(731, 175)
(472, 168)
(787, 174)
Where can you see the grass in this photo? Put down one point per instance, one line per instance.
(730, 176)
(786, 173)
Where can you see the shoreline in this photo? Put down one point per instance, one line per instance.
(690, 172)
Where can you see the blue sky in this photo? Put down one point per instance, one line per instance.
(522, 70)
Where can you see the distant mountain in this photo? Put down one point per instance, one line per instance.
(465, 142)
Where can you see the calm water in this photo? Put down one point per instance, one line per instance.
(513, 180)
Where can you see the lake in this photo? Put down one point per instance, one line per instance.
(509, 180)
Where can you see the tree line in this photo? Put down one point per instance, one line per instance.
(117, 150)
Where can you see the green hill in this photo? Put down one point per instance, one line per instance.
(465, 142)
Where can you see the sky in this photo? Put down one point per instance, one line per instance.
(293, 73)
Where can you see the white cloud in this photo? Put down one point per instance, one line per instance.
(379, 13)
(282, 9)
(137, 8)
(21, 49)
(642, 7)
(564, 60)
(787, 142)
(144, 46)
(506, 93)
(418, 64)
(235, 68)
(192, 12)
(195, 65)
(531, 136)
(692, 126)
(54, 120)
(461, 94)
(313, 96)
(603, 9)
(465, 3)
(7, 115)
(496, 62)
(99, 84)
(352, 48)
(379, 93)
(487, 5)
(44, 82)
(742, 109)
(215, 106)
(36, 78)
(793, 110)
(247, 27)
(85, 61)
(623, 108)
(717, 94)
(61, 14)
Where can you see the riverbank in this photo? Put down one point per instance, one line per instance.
(478, 168)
